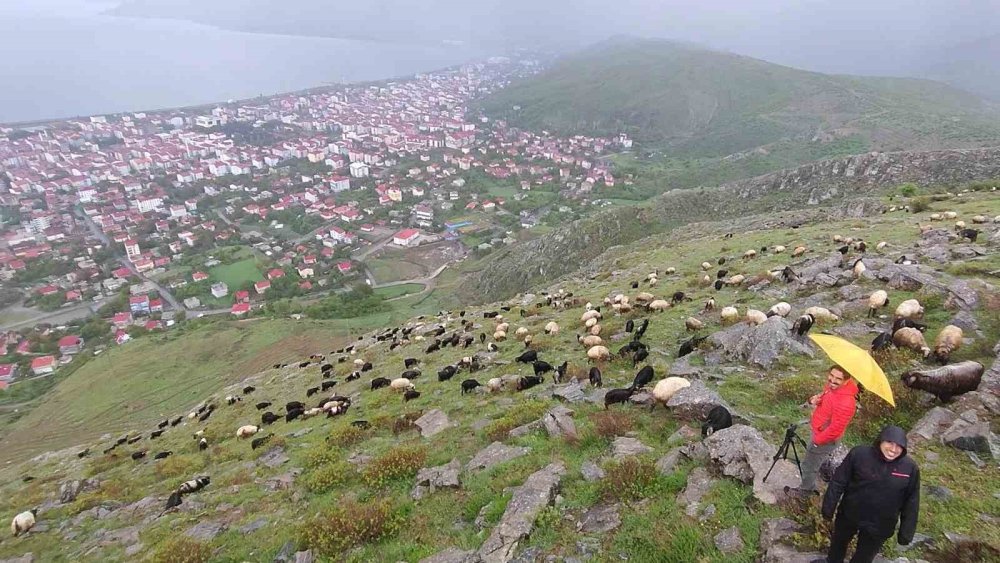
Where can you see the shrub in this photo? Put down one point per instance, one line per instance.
(609, 424)
(797, 388)
(403, 461)
(183, 550)
(350, 525)
(629, 479)
(177, 465)
(874, 413)
(919, 204)
(908, 189)
(328, 476)
(346, 436)
(319, 457)
(525, 413)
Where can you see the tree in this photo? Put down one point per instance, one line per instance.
(95, 329)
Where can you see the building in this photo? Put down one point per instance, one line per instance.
(262, 286)
(146, 204)
(240, 309)
(122, 320)
(406, 237)
(70, 344)
(139, 304)
(359, 169)
(242, 296)
(344, 267)
(8, 372)
(43, 365)
(219, 290)
(132, 249)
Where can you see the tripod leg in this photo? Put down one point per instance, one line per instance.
(782, 453)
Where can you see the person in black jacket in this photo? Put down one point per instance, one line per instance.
(876, 487)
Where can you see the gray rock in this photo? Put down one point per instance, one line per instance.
(623, 447)
(972, 437)
(557, 422)
(695, 451)
(931, 424)
(774, 530)
(432, 423)
(525, 429)
(273, 458)
(69, 490)
(699, 482)
(282, 482)
(830, 465)
(643, 398)
(450, 555)
(729, 540)
(759, 346)
(253, 526)
(965, 321)
(694, 402)
(668, 463)
(494, 454)
(572, 392)
(958, 292)
(537, 492)
(26, 558)
(781, 553)
(430, 479)
(682, 368)
(134, 549)
(741, 452)
(285, 554)
(938, 492)
(707, 513)
(919, 541)
(591, 471)
(304, 556)
(205, 531)
(683, 434)
(600, 519)
(300, 433)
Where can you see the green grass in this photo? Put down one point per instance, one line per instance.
(236, 274)
(392, 266)
(395, 291)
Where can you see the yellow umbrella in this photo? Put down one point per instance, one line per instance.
(858, 362)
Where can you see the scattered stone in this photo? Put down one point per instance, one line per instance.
(282, 482)
(707, 513)
(494, 454)
(557, 422)
(682, 368)
(359, 459)
(774, 530)
(433, 423)
(759, 346)
(430, 479)
(695, 451)
(480, 520)
(698, 483)
(518, 520)
(134, 549)
(300, 433)
(26, 558)
(591, 471)
(480, 424)
(273, 458)
(781, 553)
(729, 540)
(205, 531)
(525, 429)
(571, 392)
(69, 490)
(286, 553)
(600, 519)
(450, 555)
(624, 446)
(304, 556)
(642, 398)
(668, 463)
(741, 452)
(684, 434)
(694, 402)
(931, 424)
(972, 437)
(253, 526)
(919, 541)
(938, 492)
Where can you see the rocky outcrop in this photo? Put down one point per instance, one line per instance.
(433, 423)
(517, 522)
(624, 447)
(430, 479)
(494, 454)
(759, 346)
(968, 433)
(930, 425)
(694, 402)
(600, 519)
(729, 540)
(558, 422)
(742, 453)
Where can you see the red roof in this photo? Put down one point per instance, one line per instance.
(69, 340)
(122, 272)
(344, 266)
(47, 290)
(199, 276)
(240, 308)
(43, 362)
(275, 273)
(242, 295)
(6, 370)
(406, 234)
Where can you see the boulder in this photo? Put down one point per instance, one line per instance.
(557, 422)
(741, 452)
(69, 490)
(931, 424)
(759, 346)
(591, 471)
(525, 429)
(972, 437)
(643, 398)
(450, 555)
(623, 447)
(494, 454)
(600, 519)
(957, 292)
(937, 492)
(432, 423)
(695, 451)
(774, 530)
(668, 463)
(26, 558)
(282, 482)
(572, 392)
(518, 520)
(252, 527)
(684, 434)
(830, 465)
(729, 540)
(430, 479)
(205, 531)
(699, 482)
(273, 458)
(694, 402)
(304, 556)
(781, 553)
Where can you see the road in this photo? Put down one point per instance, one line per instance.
(164, 293)
(57, 317)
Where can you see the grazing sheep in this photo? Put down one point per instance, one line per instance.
(598, 353)
(729, 315)
(176, 421)
(911, 338)
(755, 317)
(799, 251)
(677, 297)
(641, 330)
(881, 246)
(665, 389)
(881, 342)
(136, 456)
(410, 374)
(203, 444)
(706, 266)
(163, 424)
(971, 234)
(232, 399)
(719, 284)
(909, 309)
(802, 324)
(155, 434)
(947, 381)
(979, 219)
(366, 367)
(859, 268)
(528, 381)
(380, 382)
(247, 431)
(23, 522)
(595, 377)
(706, 280)
(595, 330)
(401, 384)
(446, 373)
(693, 324)
(258, 442)
(617, 396)
(659, 305)
(410, 394)
(269, 418)
(293, 414)
(309, 413)
(410, 362)
(163, 455)
(903, 322)
(670, 271)
(643, 377)
(709, 304)
(878, 299)
(736, 280)
(186, 488)
(780, 309)
(950, 215)
(312, 391)
(327, 384)
(468, 385)
(590, 340)
(947, 341)
(779, 249)
(821, 314)
(552, 328)
(354, 376)
(718, 418)
(494, 384)
(750, 254)
(249, 389)
(294, 405)
(540, 367)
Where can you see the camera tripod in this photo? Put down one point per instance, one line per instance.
(790, 438)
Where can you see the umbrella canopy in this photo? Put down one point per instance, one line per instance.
(858, 362)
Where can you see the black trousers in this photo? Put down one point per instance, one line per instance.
(843, 531)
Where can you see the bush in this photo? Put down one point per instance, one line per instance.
(319, 457)
(326, 477)
(525, 413)
(610, 424)
(350, 525)
(346, 436)
(177, 465)
(919, 204)
(403, 461)
(908, 189)
(183, 550)
(629, 479)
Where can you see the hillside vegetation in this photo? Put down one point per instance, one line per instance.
(346, 492)
(699, 103)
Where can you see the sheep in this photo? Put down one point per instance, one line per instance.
(155, 434)
(258, 442)
(595, 330)
(136, 456)
(401, 384)
(468, 385)
(980, 219)
(706, 280)
(23, 522)
(821, 314)
(799, 251)
(410, 374)
(410, 394)
(203, 444)
(598, 353)
(494, 384)
(247, 431)
(592, 322)
(590, 340)
(736, 280)
(689, 346)
(327, 384)
(706, 266)
(802, 324)
(971, 234)
(947, 381)
(959, 225)
(312, 391)
(670, 271)
(947, 341)
(446, 373)
(176, 421)
(294, 405)
(936, 217)
(521, 333)
(693, 324)
(755, 317)
(527, 382)
(187, 487)
(309, 413)
(881, 246)
(595, 377)
(380, 382)
(709, 305)
(293, 414)
(540, 367)
(878, 299)
(659, 305)
(881, 342)
(617, 396)
(641, 330)
(643, 377)
(911, 338)
(592, 314)
(779, 249)
(750, 254)
(729, 315)
(163, 455)
(249, 389)
(232, 399)
(780, 309)
(718, 418)
(502, 327)
(269, 418)
(950, 215)
(527, 356)
(665, 389)
(552, 328)
(909, 309)
(859, 268)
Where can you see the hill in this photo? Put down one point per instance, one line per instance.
(348, 492)
(699, 103)
(970, 65)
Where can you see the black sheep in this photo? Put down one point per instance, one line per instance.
(163, 455)
(677, 297)
(380, 382)
(411, 374)
(467, 341)
(327, 384)
(354, 376)
(469, 385)
(642, 378)
(122, 440)
(134, 440)
(155, 435)
(789, 275)
(312, 391)
(721, 274)
(293, 414)
(639, 356)
(294, 405)
(526, 357)
(109, 449)
(269, 418)
(641, 331)
(203, 444)
(904, 322)
(362, 424)
(617, 396)
(367, 366)
(263, 405)
(541, 367)
(690, 345)
(595, 377)
(882, 342)
(176, 421)
(560, 372)
(410, 394)
(971, 234)
(136, 456)
(717, 419)
(446, 373)
(433, 348)
(629, 325)
(84, 453)
(527, 382)
(482, 337)
(249, 389)
(163, 424)
(803, 324)
(258, 442)
(635, 285)
(490, 314)
(719, 284)
(410, 362)
(187, 487)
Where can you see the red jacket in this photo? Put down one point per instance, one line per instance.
(833, 413)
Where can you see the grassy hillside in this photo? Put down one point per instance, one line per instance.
(345, 492)
(700, 103)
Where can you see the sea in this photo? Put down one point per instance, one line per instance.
(65, 58)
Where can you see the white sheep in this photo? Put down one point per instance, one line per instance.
(644, 297)
(706, 266)
(822, 314)
(309, 413)
(499, 336)
(859, 268)
(909, 309)
(908, 337)
(799, 251)
(666, 388)
(881, 246)
(598, 353)
(589, 315)
(247, 431)
(502, 327)
(401, 384)
(595, 330)
(591, 340)
(779, 249)
(670, 271)
(979, 219)
(659, 305)
(494, 384)
(729, 315)
(947, 341)
(23, 522)
(780, 309)
(590, 322)
(736, 280)
(878, 299)
(750, 254)
(551, 328)
(520, 333)
(950, 215)
(755, 317)
(692, 323)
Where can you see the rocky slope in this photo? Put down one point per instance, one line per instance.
(546, 473)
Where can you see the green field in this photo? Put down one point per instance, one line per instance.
(237, 273)
(395, 291)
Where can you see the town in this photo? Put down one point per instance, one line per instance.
(115, 226)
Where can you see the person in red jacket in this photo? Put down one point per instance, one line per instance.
(835, 408)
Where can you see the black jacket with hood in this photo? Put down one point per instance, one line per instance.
(877, 493)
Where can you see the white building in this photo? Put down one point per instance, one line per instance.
(220, 290)
(359, 169)
(147, 204)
